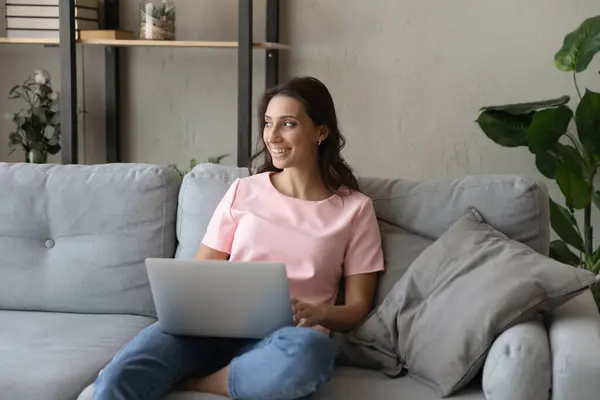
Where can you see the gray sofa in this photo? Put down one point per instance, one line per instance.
(73, 287)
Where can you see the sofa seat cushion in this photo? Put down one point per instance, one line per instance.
(355, 383)
(352, 383)
(53, 356)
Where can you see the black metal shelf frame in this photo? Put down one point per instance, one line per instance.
(68, 73)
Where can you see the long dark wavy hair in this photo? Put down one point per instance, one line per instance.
(318, 104)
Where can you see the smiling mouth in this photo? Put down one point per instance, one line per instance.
(280, 151)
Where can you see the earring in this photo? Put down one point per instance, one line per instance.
(319, 142)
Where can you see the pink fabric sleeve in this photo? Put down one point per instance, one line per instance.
(364, 253)
(221, 228)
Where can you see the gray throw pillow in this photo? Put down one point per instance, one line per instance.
(463, 291)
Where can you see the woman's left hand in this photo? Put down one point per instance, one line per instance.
(306, 314)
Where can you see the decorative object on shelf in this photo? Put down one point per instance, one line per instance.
(38, 124)
(157, 20)
(572, 163)
(193, 163)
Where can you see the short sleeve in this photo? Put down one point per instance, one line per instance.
(364, 253)
(221, 227)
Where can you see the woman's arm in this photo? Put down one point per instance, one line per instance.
(207, 253)
(360, 290)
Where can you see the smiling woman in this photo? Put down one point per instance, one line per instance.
(292, 212)
(298, 129)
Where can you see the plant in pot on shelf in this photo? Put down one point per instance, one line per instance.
(37, 125)
(566, 145)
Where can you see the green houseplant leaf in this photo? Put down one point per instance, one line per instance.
(505, 129)
(587, 117)
(561, 252)
(570, 177)
(579, 47)
(528, 108)
(564, 225)
(547, 126)
(546, 163)
(573, 186)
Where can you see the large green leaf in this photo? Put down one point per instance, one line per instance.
(573, 186)
(564, 224)
(547, 126)
(587, 117)
(570, 174)
(528, 108)
(561, 252)
(579, 47)
(546, 163)
(503, 128)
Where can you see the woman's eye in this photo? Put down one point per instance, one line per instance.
(289, 124)
(268, 123)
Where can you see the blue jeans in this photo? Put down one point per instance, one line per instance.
(290, 364)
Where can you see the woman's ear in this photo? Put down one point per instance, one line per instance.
(323, 132)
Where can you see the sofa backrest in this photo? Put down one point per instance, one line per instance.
(73, 238)
(411, 214)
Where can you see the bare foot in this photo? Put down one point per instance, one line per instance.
(215, 383)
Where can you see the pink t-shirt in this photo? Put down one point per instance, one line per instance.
(318, 241)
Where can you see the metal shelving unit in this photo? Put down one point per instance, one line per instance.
(68, 70)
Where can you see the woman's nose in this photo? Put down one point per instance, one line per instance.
(273, 136)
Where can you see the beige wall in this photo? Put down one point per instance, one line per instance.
(408, 79)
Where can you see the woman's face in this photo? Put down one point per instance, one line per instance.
(290, 135)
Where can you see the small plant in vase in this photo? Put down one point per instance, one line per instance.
(37, 126)
(157, 20)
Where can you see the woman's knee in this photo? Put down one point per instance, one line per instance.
(291, 364)
(306, 344)
(311, 356)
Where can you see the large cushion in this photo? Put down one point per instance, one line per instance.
(74, 238)
(53, 356)
(467, 288)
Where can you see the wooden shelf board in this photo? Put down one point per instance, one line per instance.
(147, 43)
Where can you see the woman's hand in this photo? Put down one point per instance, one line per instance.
(308, 315)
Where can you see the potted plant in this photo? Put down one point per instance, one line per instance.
(566, 145)
(37, 125)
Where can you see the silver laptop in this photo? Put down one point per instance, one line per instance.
(220, 298)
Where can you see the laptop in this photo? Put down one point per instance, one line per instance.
(218, 298)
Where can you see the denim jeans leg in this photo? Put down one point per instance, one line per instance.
(153, 362)
(290, 364)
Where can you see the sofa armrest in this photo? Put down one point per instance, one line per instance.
(518, 365)
(574, 333)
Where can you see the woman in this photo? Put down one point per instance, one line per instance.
(303, 208)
